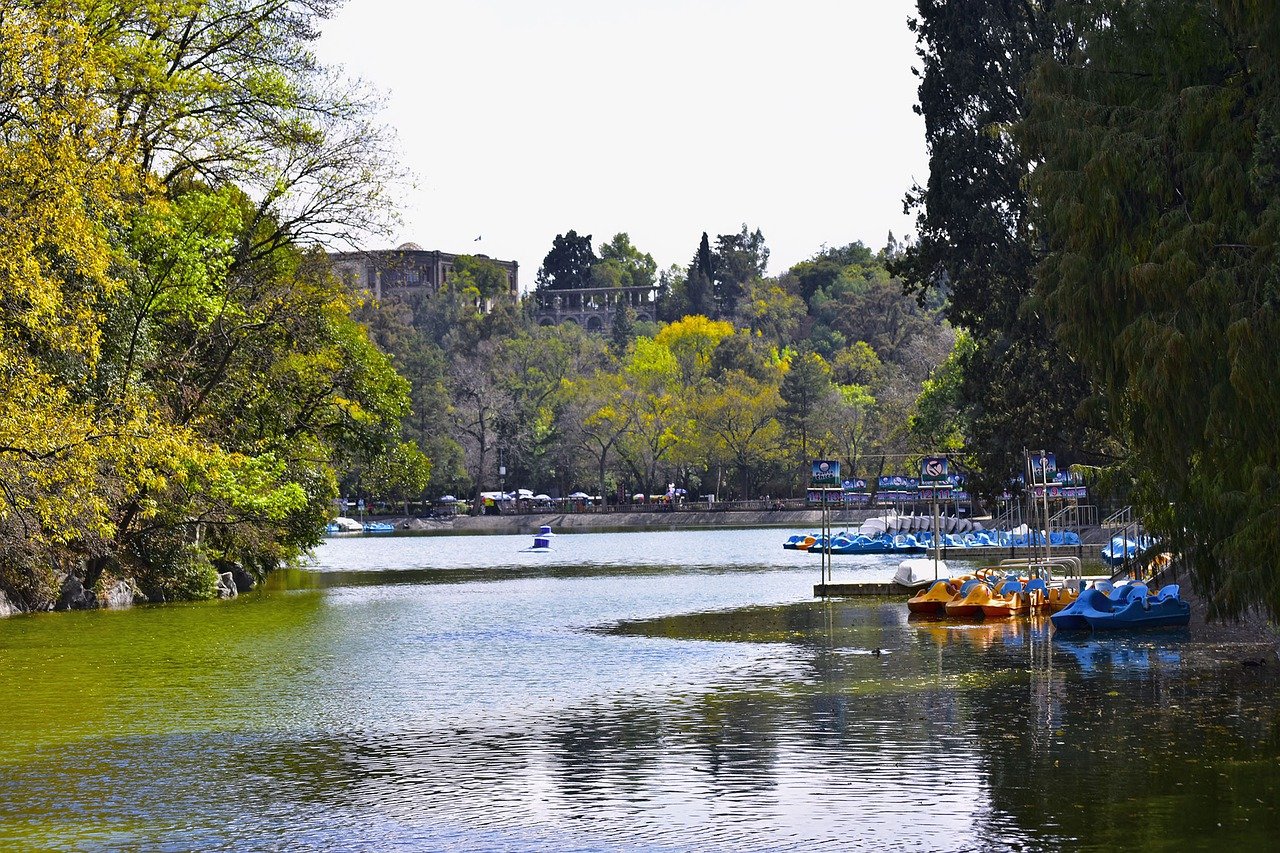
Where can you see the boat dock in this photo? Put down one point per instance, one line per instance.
(855, 590)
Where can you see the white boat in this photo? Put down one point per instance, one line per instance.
(342, 526)
(920, 571)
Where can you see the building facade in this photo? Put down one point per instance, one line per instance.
(406, 268)
(593, 308)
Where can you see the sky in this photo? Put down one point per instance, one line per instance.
(521, 120)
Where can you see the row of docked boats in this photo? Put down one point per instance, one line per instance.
(342, 526)
(991, 594)
(921, 541)
(1072, 606)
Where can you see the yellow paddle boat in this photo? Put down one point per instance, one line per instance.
(969, 601)
(933, 599)
(1061, 597)
(1012, 603)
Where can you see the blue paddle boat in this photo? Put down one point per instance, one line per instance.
(800, 542)
(1125, 607)
(1162, 610)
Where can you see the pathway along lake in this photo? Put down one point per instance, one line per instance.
(628, 691)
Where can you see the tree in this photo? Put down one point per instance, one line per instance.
(976, 242)
(739, 260)
(623, 330)
(698, 296)
(637, 269)
(479, 407)
(737, 425)
(568, 265)
(179, 374)
(692, 341)
(806, 397)
(656, 409)
(1158, 198)
(487, 277)
(599, 419)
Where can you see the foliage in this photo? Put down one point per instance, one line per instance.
(634, 268)
(1157, 201)
(176, 376)
(975, 242)
(568, 265)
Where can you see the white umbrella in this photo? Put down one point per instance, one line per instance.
(580, 496)
(524, 493)
(542, 497)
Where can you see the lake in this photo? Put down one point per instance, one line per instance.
(655, 691)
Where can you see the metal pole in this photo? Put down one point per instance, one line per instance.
(1048, 549)
(937, 543)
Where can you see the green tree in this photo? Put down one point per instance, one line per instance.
(975, 237)
(806, 394)
(178, 376)
(1158, 197)
(636, 268)
(568, 265)
(739, 260)
(737, 425)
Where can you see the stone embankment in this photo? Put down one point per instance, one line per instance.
(797, 521)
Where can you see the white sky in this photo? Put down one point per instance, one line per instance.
(661, 118)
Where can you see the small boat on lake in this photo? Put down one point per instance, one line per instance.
(378, 527)
(1165, 609)
(800, 542)
(342, 526)
(1126, 607)
(541, 542)
(1011, 599)
(968, 602)
(934, 599)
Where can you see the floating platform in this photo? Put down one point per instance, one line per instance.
(854, 590)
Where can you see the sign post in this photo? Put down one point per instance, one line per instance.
(825, 473)
(933, 476)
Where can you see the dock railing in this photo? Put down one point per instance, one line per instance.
(1010, 518)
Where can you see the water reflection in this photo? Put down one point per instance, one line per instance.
(614, 708)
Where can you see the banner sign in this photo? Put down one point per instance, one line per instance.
(897, 489)
(826, 472)
(1043, 468)
(855, 485)
(933, 472)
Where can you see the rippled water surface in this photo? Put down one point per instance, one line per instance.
(628, 691)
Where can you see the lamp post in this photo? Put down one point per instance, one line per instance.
(502, 474)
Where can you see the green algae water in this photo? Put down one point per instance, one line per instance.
(644, 691)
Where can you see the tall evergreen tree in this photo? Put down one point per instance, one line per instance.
(568, 265)
(975, 241)
(700, 285)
